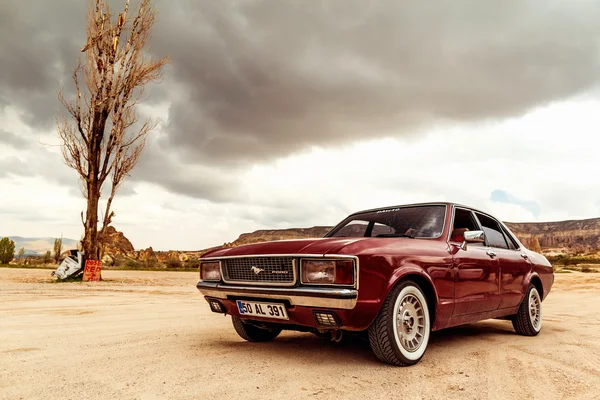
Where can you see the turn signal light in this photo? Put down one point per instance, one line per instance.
(325, 318)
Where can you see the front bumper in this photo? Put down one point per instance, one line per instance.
(321, 297)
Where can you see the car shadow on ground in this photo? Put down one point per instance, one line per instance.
(356, 347)
(488, 330)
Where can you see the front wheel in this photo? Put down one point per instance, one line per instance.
(400, 333)
(528, 320)
(253, 333)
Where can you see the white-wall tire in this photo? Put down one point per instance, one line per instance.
(528, 320)
(400, 333)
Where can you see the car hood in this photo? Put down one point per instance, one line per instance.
(293, 246)
(344, 245)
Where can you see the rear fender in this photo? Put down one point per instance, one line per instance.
(528, 279)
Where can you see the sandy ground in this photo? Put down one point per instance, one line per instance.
(150, 335)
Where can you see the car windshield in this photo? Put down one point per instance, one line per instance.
(415, 221)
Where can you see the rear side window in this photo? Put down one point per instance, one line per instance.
(493, 232)
(512, 244)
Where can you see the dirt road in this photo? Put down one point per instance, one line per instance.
(150, 335)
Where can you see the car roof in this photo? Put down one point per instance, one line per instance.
(434, 203)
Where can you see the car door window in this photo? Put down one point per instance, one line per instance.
(512, 243)
(493, 232)
(463, 221)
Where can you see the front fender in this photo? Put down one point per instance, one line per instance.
(408, 270)
(379, 274)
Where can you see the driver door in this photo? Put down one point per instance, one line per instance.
(476, 271)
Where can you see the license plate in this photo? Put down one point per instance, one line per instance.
(260, 309)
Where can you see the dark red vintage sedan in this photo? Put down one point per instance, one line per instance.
(394, 274)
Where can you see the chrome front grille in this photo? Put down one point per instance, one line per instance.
(268, 270)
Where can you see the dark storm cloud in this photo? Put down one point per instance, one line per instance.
(40, 43)
(255, 80)
(12, 166)
(262, 79)
(169, 171)
(27, 160)
(13, 140)
(38, 46)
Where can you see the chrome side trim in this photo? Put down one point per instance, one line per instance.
(308, 297)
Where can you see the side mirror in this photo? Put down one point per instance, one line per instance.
(474, 236)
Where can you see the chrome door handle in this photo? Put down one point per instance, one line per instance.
(490, 253)
(525, 256)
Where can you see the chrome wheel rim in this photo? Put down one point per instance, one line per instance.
(410, 323)
(535, 309)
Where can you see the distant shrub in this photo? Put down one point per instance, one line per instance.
(21, 255)
(568, 260)
(58, 244)
(562, 271)
(133, 264)
(117, 261)
(7, 250)
(587, 269)
(192, 263)
(173, 263)
(534, 244)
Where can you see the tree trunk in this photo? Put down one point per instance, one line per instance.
(107, 220)
(90, 239)
(91, 247)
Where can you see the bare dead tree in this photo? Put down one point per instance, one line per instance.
(101, 137)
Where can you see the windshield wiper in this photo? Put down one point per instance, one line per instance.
(395, 235)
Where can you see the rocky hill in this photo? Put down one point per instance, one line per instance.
(119, 250)
(573, 237)
(117, 243)
(38, 245)
(570, 237)
(280, 234)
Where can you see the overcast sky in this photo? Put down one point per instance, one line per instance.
(276, 114)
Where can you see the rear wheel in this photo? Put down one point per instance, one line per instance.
(400, 333)
(253, 333)
(528, 320)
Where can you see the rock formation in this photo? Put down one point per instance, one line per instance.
(574, 236)
(116, 243)
(280, 234)
(147, 255)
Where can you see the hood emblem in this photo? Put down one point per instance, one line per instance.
(256, 270)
